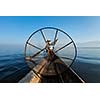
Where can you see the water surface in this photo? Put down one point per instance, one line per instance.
(13, 66)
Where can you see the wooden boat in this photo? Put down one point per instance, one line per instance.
(52, 72)
(55, 66)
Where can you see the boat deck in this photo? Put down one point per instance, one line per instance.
(55, 71)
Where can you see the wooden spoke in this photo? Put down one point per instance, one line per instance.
(66, 58)
(43, 36)
(34, 46)
(37, 53)
(64, 46)
(55, 36)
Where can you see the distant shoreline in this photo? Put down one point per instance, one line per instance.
(89, 47)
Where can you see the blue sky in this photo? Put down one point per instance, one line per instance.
(16, 30)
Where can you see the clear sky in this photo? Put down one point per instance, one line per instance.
(16, 30)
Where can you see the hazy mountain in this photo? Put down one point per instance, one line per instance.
(89, 44)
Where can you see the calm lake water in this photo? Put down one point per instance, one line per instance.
(87, 64)
(13, 66)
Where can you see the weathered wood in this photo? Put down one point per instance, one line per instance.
(55, 71)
